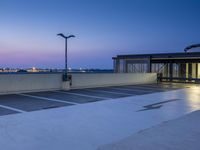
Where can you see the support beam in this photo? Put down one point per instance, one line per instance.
(171, 70)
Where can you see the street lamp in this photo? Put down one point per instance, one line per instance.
(191, 47)
(66, 38)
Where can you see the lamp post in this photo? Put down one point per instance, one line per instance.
(66, 38)
(191, 47)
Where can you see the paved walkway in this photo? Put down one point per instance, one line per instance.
(92, 125)
(179, 134)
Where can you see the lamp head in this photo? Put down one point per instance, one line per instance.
(62, 35)
(71, 36)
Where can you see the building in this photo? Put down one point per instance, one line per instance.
(170, 66)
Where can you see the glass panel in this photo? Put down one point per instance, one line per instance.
(157, 67)
(130, 68)
(121, 66)
(182, 70)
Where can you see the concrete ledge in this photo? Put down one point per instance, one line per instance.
(18, 83)
(33, 82)
(111, 79)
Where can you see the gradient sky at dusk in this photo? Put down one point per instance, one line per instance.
(103, 29)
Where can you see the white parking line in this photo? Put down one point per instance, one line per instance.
(49, 99)
(144, 87)
(85, 95)
(97, 90)
(157, 86)
(128, 89)
(11, 108)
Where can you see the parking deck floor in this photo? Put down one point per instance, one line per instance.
(87, 119)
(26, 102)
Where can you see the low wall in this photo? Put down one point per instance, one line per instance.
(110, 79)
(17, 83)
(33, 82)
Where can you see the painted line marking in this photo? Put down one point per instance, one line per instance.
(157, 86)
(110, 92)
(157, 105)
(160, 86)
(127, 89)
(85, 95)
(144, 88)
(49, 99)
(14, 109)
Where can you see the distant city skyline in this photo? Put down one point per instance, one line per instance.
(103, 29)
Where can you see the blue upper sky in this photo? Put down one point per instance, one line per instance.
(103, 29)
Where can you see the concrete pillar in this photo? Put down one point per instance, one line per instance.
(66, 85)
(149, 64)
(196, 70)
(171, 70)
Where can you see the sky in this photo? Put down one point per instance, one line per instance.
(103, 29)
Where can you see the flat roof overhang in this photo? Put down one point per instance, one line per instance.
(161, 55)
(176, 60)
